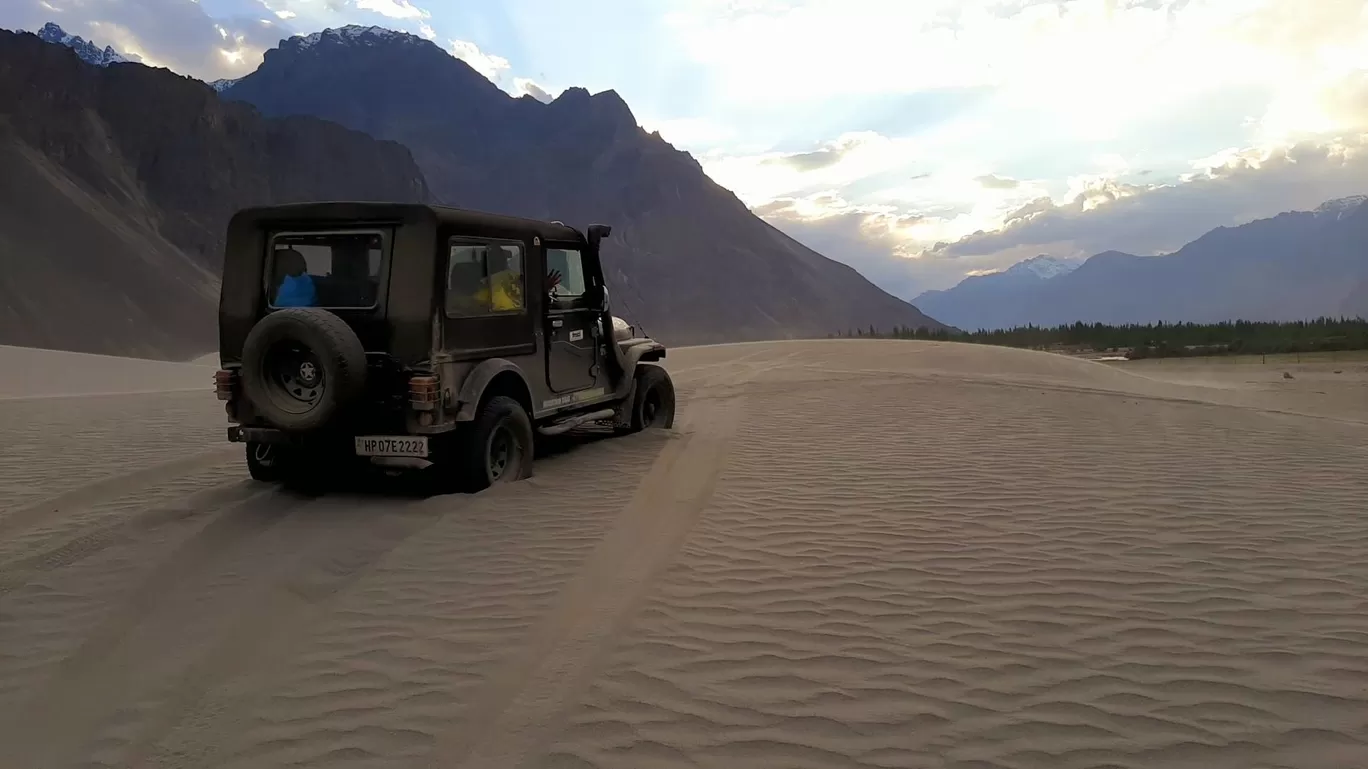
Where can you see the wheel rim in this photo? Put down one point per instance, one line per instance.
(503, 455)
(652, 407)
(295, 377)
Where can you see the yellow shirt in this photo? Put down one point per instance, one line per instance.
(507, 293)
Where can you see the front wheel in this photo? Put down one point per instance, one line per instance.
(653, 404)
(496, 447)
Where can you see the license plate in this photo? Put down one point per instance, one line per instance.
(391, 446)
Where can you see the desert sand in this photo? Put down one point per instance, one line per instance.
(848, 554)
(28, 373)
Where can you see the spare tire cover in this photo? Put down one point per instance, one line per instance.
(301, 366)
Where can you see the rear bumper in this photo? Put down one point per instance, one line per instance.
(344, 441)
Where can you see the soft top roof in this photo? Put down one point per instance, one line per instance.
(476, 221)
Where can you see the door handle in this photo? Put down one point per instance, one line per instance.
(557, 323)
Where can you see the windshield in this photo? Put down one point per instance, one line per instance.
(329, 269)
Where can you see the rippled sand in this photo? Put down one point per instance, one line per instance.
(849, 554)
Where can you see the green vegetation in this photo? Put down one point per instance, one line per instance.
(1162, 340)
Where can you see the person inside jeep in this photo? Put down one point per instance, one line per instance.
(503, 288)
(296, 287)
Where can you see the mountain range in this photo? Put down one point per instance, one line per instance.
(1293, 266)
(121, 178)
(140, 169)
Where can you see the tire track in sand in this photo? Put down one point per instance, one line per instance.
(111, 487)
(93, 678)
(279, 611)
(521, 704)
(191, 627)
(20, 571)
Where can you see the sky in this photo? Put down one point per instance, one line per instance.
(919, 141)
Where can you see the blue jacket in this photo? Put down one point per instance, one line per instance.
(296, 292)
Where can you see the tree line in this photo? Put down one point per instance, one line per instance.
(1158, 340)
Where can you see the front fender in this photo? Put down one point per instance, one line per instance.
(647, 349)
(477, 381)
(633, 354)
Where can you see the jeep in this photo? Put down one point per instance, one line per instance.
(420, 336)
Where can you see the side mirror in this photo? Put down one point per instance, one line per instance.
(597, 297)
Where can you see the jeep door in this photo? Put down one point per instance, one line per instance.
(486, 311)
(572, 325)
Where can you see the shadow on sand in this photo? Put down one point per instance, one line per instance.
(367, 481)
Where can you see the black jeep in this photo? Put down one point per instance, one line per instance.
(416, 336)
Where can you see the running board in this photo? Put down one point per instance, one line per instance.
(575, 421)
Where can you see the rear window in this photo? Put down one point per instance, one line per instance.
(332, 269)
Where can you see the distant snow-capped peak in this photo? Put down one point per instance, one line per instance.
(1044, 266)
(1340, 207)
(224, 84)
(352, 33)
(86, 50)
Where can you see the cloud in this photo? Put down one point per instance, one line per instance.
(907, 248)
(995, 182)
(767, 176)
(1228, 189)
(1096, 65)
(881, 245)
(865, 240)
(486, 64)
(523, 86)
(394, 9)
(829, 154)
(812, 161)
(176, 34)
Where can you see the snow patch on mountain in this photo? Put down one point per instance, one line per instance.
(352, 33)
(1341, 207)
(224, 84)
(1044, 266)
(85, 49)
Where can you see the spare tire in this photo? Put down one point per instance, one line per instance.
(301, 367)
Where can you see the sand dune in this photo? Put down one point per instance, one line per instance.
(27, 372)
(849, 554)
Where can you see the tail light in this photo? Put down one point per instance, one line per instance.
(225, 383)
(423, 393)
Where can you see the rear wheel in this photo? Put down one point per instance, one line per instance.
(496, 447)
(290, 466)
(267, 462)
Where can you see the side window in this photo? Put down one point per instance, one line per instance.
(568, 263)
(484, 279)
